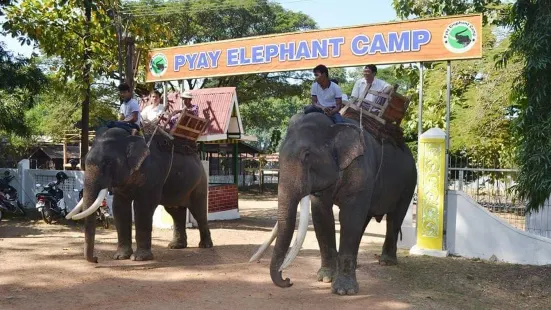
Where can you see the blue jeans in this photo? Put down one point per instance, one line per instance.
(336, 118)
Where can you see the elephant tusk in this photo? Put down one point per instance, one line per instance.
(265, 245)
(76, 209)
(93, 207)
(302, 229)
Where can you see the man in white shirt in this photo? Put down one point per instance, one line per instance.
(326, 95)
(155, 108)
(130, 109)
(359, 90)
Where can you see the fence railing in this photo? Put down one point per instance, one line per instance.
(491, 188)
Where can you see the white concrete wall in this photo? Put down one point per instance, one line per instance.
(539, 223)
(474, 232)
(409, 230)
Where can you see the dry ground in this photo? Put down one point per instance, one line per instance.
(41, 267)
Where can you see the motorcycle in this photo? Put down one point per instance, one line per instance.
(102, 214)
(50, 202)
(8, 197)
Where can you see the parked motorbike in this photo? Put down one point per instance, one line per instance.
(102, 214)
(8, 197)
(50, 202)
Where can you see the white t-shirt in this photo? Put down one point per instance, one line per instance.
(361, 84)
(127, 108)
(327, 97)
(151, 112)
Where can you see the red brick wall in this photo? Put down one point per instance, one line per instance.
(222, 198)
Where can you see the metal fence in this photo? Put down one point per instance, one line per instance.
(491, 188)
(249, 177)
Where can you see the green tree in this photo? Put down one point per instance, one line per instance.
(531, 41)
(268, 119)
(155, 24)
(529, 49)
(20, 80)
(406, 9)
(58, 108)
(482, 125)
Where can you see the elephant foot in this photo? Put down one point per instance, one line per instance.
(123, 253)
(205, 244)
(177, 244)
(345, 285)
(387, 260)
(326, 274)
(142, 255)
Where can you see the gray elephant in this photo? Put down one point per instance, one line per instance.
(148, 177)
(338, 164)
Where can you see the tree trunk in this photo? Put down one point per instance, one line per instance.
(86, 76)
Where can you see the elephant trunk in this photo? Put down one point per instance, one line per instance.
(93, 195)
(90, 239)
(287, 212)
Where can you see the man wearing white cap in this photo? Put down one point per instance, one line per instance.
(188, 107)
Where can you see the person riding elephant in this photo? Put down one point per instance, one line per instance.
(339, 164)
(142, 177)
(129, 111)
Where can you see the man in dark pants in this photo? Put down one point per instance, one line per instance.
(326, 96)
(129, 111)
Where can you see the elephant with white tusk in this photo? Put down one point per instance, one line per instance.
(322, 164)
(142, 178)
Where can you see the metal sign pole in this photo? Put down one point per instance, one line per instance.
(420, 116)
(448, 107)
(446, 168)
(165, 94)
(419, 133)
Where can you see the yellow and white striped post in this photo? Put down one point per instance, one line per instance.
(431, 194)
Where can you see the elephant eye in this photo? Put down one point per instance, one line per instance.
(305, 155)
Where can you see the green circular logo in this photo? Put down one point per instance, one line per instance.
(460, 37)
(158, 65)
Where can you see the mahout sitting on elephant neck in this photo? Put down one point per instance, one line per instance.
(123, 125)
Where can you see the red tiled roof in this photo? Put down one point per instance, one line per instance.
(220, 100)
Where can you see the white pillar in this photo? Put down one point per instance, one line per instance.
(22, 167)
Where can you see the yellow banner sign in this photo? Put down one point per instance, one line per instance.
(449, 38)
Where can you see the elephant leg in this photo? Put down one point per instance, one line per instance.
(143, 218)
(352, 219)
(394, 222)
(179, 239)
(324, 225)
(198, 208)
(122, 214)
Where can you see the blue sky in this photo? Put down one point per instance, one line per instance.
(327, 13)
(340, 13)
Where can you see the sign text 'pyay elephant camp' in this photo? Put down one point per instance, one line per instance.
(449, 38)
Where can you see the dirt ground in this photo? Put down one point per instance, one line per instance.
(42, 267)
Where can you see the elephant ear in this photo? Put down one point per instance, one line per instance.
(348, 143)
(136, 152)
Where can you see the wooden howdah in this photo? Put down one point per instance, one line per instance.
(188, 127)
(396, 110)
(391, 108)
